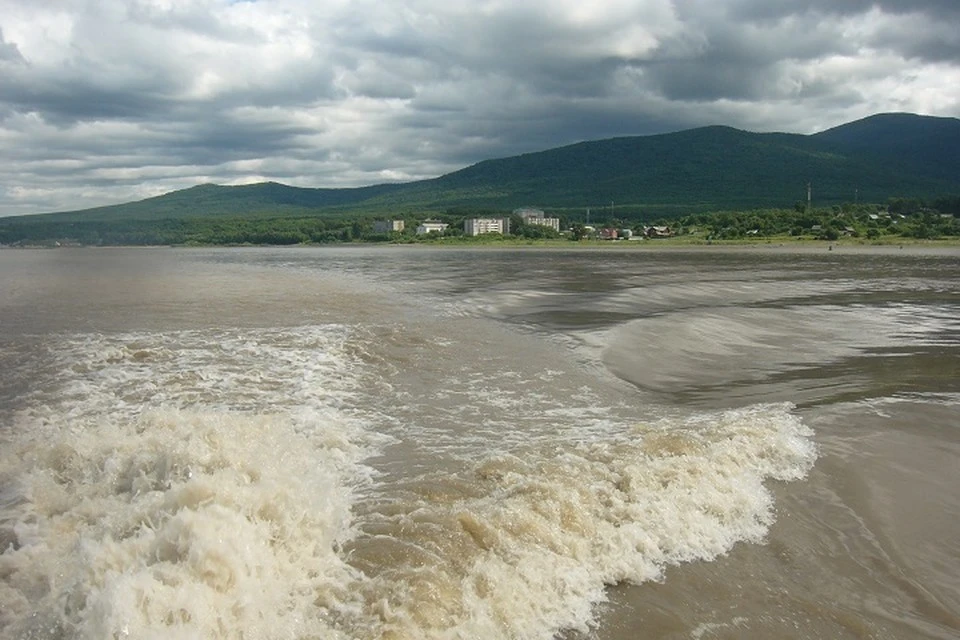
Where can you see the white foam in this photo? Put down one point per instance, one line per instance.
(183, 484)
(528, 549)
(212, 484)
(178, 521)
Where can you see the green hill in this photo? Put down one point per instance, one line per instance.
(711, 167)
(216, 200)
(921, 145)
(888, 155)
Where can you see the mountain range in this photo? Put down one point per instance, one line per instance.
(714, 167)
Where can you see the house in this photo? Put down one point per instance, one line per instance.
(387, 226)
(626, 233)
(608, 234)
(658, 232)
(431, 225)
(478, 226)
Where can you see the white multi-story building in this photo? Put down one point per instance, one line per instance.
(387, 226)
(553, 223)
(431, 225)
(528, 212)
(477, 226)
(538, 217)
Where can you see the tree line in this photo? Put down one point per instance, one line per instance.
(904, 217)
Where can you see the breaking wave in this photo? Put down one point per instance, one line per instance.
(219, 484)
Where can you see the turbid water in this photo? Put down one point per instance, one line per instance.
(399, 442)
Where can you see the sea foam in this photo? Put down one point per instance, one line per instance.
(161, 487)
(215, 484)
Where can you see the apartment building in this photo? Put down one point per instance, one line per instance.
(478, 226)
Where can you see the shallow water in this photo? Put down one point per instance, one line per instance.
(401, 442)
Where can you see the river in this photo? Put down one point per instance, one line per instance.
(412, 442)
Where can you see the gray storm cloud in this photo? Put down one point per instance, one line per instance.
(114, 100)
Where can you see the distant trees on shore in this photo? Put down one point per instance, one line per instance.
(904, 217)
(898, 218)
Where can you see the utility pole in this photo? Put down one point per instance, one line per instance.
(809, 192)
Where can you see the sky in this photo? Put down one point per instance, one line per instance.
(109, 101)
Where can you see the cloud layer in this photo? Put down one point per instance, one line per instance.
(105, 101)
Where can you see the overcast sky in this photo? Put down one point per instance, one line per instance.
(107, 101)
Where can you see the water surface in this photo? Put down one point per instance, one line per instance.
(399, 442)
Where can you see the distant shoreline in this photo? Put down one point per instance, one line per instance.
(681, 243)
(792, 245)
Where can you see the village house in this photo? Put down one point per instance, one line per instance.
(658, 232)
(431, 225)
(387, 226)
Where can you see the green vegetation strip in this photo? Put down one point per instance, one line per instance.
(892, 222)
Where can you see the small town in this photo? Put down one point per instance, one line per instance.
(528, 216)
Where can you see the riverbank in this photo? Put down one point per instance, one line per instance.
(675, 243)
(690, 242)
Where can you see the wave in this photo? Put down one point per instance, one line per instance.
(522, 545)
(191, 482)
(219, 484)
